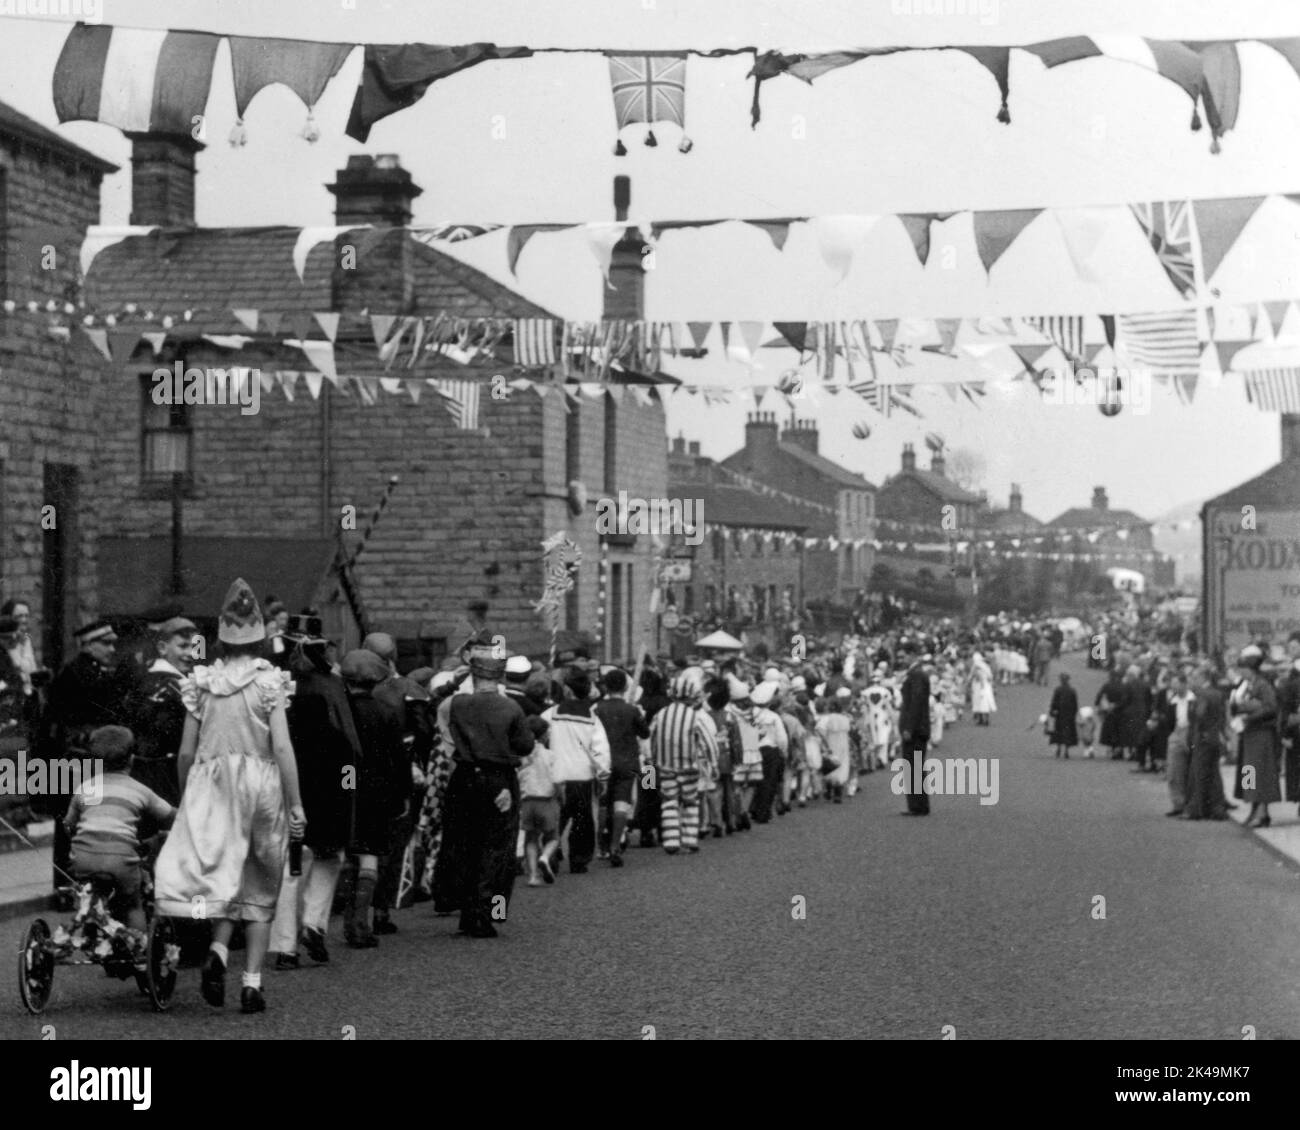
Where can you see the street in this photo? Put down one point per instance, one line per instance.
(977, 917)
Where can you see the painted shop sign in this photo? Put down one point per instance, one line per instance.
(1252, 576)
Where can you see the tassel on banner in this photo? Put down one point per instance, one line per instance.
(311, 131)
(238, 134)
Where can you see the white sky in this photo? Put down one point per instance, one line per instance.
(914, 133)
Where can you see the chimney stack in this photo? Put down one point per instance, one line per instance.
(909, 457)
(1099, 499)
(162, 179)
(626, 299)
(803, 433)
(938, 464)
(693, 448)
(1017, 501)
(761, 432)
(373, 190)
(379, 192)
(679, 445)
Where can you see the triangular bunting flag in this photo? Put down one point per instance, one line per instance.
(319, 353)
(246, 318)
(888, 328)
(121, 344)
(287, 381)
(699, 332)
(155, 338)
(776, 230)
(518, 238)
(271, 323)
(838, 239)
(308, 238)
(328, 320)
(415, 388)
(996, 231)
(1219, 223)
(313, 384)
(99, 339)
(796, 333)
(381, 326)
(1276, 314)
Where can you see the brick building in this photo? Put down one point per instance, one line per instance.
(49, 391)
(270, 495)
(919, 497)
(841, 502)
(747, 573)
(1111, 539)
(1013, 521)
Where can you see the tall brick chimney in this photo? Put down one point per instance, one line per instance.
(626, 299)
(162, 179)
(909, 457)
(760, 437)
(1017, 500)
(373, 190)
(1290, 437)
(802, 432)
(1099, 499)
(938, 464)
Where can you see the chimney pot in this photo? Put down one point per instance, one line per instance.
(694, 447)
(1290, 437)
(163, 179)
(1099, 499)
(373, 190)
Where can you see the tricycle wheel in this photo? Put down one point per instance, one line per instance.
(35, 967)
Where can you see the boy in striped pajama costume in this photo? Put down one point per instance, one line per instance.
(681, 737)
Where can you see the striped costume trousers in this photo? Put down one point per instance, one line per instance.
(679, 810)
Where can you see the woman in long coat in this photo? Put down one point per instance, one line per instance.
(1253, 710)
(1064, 713)
(1137, 711)
(1110, 703)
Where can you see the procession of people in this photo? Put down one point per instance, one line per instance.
(307, 784)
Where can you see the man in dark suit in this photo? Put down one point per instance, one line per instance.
(914, 727)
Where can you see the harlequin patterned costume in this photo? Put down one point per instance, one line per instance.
(231, 835)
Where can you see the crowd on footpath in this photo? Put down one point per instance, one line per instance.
(283, 782)
(1174, 712)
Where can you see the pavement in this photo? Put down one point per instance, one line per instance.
(1070, 909)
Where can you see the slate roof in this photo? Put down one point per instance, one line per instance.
(1278, 486)
(1008, 520)
(737, 506)
(825, 467)
(1084, 517)
(938, 485)
(215, 269)
(20, 126)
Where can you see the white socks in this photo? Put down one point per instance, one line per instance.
(221, 951)
(252, 980)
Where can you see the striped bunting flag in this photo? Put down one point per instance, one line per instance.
(134, 79)
(461, 398)
(1164, 343)
(534, 342)
(1065, 332)
(1274, 390)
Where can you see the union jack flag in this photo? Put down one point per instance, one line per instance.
(1168, 228)
(452, 233)
(649, 88)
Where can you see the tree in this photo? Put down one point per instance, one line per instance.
(966, 468)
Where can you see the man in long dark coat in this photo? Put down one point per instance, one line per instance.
(1064, 713)
(914, 727)
(475, 872)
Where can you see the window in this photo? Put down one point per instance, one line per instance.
(166, 437)
(611, 446)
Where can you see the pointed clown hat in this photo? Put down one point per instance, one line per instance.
(241, 618)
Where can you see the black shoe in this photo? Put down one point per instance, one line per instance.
(364, 942)
(284, 961)
(385, 925)
(212, 979)
(1174, 812)
(574, 869)
(482, 930)
(251, 1000)
(314, 942)
(717, 833)
(616, 859)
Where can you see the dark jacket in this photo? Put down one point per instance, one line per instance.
(624, 724)
(156, 716)
(384, 781)
(914, 715)
(325, 745)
